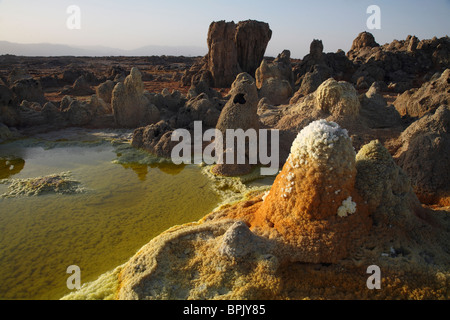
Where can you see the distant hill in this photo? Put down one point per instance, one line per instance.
(49, 50)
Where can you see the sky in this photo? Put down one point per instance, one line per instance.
(131, 24)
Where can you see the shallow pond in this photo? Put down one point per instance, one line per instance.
(123, 207)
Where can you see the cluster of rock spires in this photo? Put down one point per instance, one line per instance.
(266, 93)
(364, 142)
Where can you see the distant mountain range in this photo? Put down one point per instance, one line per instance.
(50, 50)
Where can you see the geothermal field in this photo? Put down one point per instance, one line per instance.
(230, 176)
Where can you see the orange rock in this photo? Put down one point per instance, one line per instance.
(313, 208)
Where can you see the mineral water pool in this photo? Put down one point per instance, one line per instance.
(129, 199)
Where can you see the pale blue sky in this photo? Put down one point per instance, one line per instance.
(130, 24)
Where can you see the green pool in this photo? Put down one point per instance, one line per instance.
(125, 204)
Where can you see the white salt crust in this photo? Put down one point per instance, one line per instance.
(348, 207)
(315, 140)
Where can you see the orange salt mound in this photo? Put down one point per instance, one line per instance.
(313, 208)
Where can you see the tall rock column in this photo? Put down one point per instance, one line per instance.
(252, 38)
(232, 49)
(222, 58)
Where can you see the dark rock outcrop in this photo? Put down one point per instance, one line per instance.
(155, 138)
(200, 108)
(18, 74)
(364, 41)
(401, 64)
(9, 113)
(79, 113)
(79, 88)
(317, 66)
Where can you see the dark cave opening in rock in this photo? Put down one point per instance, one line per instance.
(239, 98)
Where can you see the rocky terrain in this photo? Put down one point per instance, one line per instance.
(364, 160)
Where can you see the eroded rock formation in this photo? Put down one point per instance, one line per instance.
(240, 112)
(317, 66)
(105, 89)
(400, 64)
(424, 154)
(375, 110)
(275, 79)
(155, 138)
(233, 48)
(130, 106)
(430, 96)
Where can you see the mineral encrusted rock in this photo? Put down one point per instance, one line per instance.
(336, 98)
(313, 205)
(18, 74)
(166, 100)
(52, 114)
(9, 112)
(310, 81)
(317, 66)
(251, 39)
(335, 101)
(222, 58)
(384, 186)
(238, 241)
(79, 113)
(30, 115)
(58, 183)
(277, 91)
(149, 274)
(5, 133)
